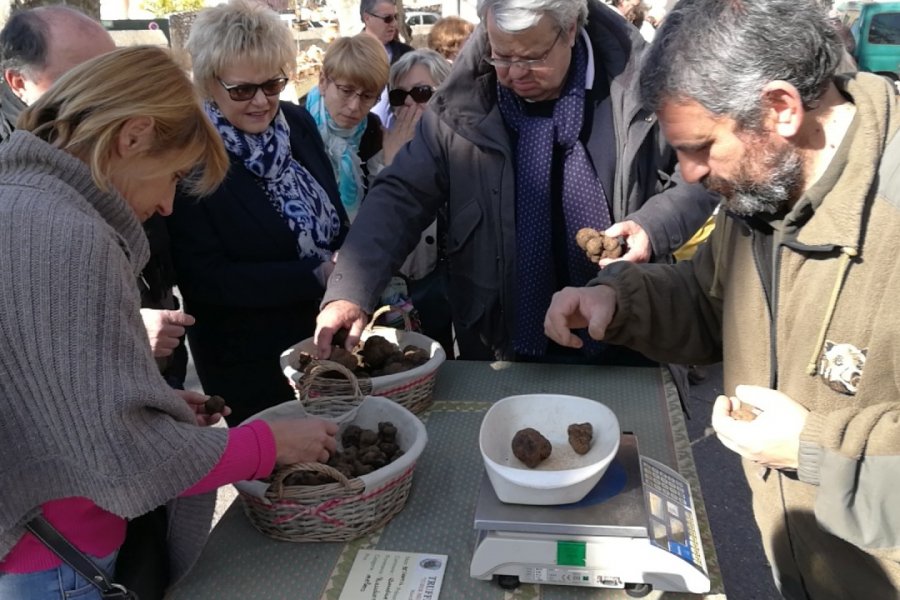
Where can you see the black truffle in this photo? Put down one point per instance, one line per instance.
(529, 446)
(580, 436)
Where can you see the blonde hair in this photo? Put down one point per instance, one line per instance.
(85, 110)
(359, 60)
(239, 30)
(448, 35)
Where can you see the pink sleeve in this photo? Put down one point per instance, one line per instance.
(249, 454)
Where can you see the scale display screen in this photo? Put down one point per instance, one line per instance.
(571, 554)
(670, 508)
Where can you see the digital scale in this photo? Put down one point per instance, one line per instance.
(636, 530)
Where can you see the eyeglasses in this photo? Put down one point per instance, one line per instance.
(388, 19)
(530, 64)
(346, 93)
(241, 92)
(420, 95)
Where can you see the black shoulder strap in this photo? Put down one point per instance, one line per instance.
(50, 537)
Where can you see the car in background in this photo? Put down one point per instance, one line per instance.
(875, 27)
(415, 18)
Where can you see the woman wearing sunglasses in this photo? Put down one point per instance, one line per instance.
(412, 82)
(414, 78)
(354, 71)
(252, 259)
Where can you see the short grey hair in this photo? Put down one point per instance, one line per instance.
(368, 6)
(438, 66)
(722, 54)
(513, 16)
(241, 29)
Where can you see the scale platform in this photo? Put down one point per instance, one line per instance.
(636, 530)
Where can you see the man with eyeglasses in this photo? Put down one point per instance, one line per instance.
(537, 132)
(381, 20)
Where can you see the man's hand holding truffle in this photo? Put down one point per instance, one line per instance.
(637, 243)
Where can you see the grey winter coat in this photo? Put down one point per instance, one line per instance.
(462, 155)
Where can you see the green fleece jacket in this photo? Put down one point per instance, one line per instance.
(809, 306)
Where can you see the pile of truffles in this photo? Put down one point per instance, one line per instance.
(376, 357)
(532, 448)
(597, 245)
(364, 451)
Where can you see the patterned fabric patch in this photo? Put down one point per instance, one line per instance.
(841, 366)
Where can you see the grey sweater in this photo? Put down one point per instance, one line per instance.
(83, 408)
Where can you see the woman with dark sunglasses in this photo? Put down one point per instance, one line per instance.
(414, 78)
(252, 258)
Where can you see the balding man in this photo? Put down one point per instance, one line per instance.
(36, 47)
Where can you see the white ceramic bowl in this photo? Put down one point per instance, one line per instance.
(564, 476)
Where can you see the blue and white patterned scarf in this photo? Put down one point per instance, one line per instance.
(294, 193)
(342, 147)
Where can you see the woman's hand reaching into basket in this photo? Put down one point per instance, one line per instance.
(303, 440)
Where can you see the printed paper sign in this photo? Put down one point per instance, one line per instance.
(386, 575)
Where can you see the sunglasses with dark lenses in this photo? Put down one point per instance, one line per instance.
(420, 95)
(241, 92)
(388, 19)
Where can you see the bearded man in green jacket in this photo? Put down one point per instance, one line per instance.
(796, 290)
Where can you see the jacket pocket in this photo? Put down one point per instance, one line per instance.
(474, 274)
(461, 227)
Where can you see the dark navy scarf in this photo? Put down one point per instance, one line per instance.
(584, 202)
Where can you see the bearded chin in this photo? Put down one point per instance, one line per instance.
(749, 202)
(770, 190)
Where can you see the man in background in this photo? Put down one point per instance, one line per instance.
(37, 46)
(381, 20)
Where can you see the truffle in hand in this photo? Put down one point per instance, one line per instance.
(747, 412)
(214, 404)
(529, 446)
(580, 436)
(598, 246)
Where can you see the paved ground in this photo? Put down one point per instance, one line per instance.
(743, 563)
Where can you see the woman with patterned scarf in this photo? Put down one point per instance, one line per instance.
(253, 258)
(354, 71)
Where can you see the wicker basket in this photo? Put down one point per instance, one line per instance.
(411, 389)
(348, 509)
